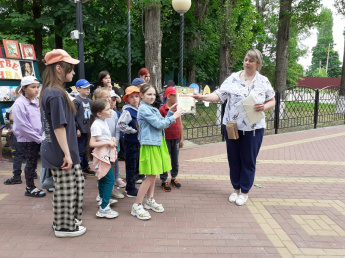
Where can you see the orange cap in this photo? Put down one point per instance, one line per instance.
(130, 90)
(58, 55)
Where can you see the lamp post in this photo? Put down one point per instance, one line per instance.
(129, 58)
(181, 6)
(80, 37)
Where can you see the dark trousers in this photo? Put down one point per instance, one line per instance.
(105, 186)
(82, 142)
(242, 154)
(17, 155)
(174, 149)
(31, 151)
(132, 152)
(121, 154)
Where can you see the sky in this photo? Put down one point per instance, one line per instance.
(338, 29)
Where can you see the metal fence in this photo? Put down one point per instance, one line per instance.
(297, 108)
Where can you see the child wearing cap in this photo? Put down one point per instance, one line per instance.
(128, 124)
(174, 140)
(59, 149)
(27, 128)
(83, 107)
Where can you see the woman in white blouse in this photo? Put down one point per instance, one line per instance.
(242, 152)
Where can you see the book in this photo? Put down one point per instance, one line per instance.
(28, 51)
(5, 93)
(27, 68)
(11, 48)
(13, 93)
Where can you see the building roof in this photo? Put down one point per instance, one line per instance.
(318, 82)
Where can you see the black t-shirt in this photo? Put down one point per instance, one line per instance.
(83, 107)
(54, 113)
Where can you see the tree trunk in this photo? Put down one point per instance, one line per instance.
(342, 82)
(260, 7)
(201, 6)
(153, 43)
(58, 38)
(282, 44)
(36, 8)
(225, 60)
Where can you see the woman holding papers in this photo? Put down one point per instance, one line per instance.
(249, 94)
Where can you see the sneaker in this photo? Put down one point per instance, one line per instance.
(151, 204)
(174, 182)
(116, 194)
(233, 197)
(13, 181)
(89, 171)
(166, 187)
(77, 223)
(34, 192)
(241, 200)
(79, 230)
(139, 179)
(119, 182)
(131, 194)
(111, 202)
(139, 212)
(107, 212)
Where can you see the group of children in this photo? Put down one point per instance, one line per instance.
(70, 128)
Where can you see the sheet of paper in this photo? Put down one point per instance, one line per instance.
(246, 110)
(185, 100)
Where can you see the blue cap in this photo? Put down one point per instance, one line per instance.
(82, 83)
(138, 81)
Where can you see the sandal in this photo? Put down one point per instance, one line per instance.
(13, 181)
(34, 192)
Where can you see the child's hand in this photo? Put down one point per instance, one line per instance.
(112, 144)
(173, 107)
(181, 144)
(78, 133)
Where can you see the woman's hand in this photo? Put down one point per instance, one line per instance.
(259, 107)
(198, 96)
(67, 163)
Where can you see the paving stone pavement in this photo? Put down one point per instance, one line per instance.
(296, 208)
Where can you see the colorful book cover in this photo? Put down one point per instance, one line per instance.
(11, 48)
(13, 93)
(27, 68)
(5, 93)
(28, 51)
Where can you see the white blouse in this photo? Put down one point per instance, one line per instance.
(236, 89)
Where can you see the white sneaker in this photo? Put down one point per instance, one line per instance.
(111, 202)
(233, 197)
(77, 232)
(151, 204)
(139, 212)
(107, 212)
(241, 200)
(77, 223)
(116, 194)
(119, 182)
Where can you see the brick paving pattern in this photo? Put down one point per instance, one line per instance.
(296, 209)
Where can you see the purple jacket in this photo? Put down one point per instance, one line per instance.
(27, 126)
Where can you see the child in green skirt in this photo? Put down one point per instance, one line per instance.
(154, 156)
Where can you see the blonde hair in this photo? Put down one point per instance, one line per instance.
(256, 54)
(98, 93)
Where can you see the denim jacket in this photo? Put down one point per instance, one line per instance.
(152, 124)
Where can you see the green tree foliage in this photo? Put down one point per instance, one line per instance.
(320, 51)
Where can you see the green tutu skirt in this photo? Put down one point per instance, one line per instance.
(154, 160)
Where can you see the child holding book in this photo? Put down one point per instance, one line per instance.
(128, 124)
(174, 140)
(154, 156)
(83, 110)
(27, 128)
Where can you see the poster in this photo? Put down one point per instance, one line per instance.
(5, 93)
(27, 68)
(11, 48)
(28, 51)
(185, 100)
(10, 69)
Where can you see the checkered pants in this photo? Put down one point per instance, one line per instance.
(68, 197)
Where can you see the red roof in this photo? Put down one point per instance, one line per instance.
(318, 82)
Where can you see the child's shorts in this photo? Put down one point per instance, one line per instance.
(154, 160)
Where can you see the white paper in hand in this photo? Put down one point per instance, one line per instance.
(246, 110)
